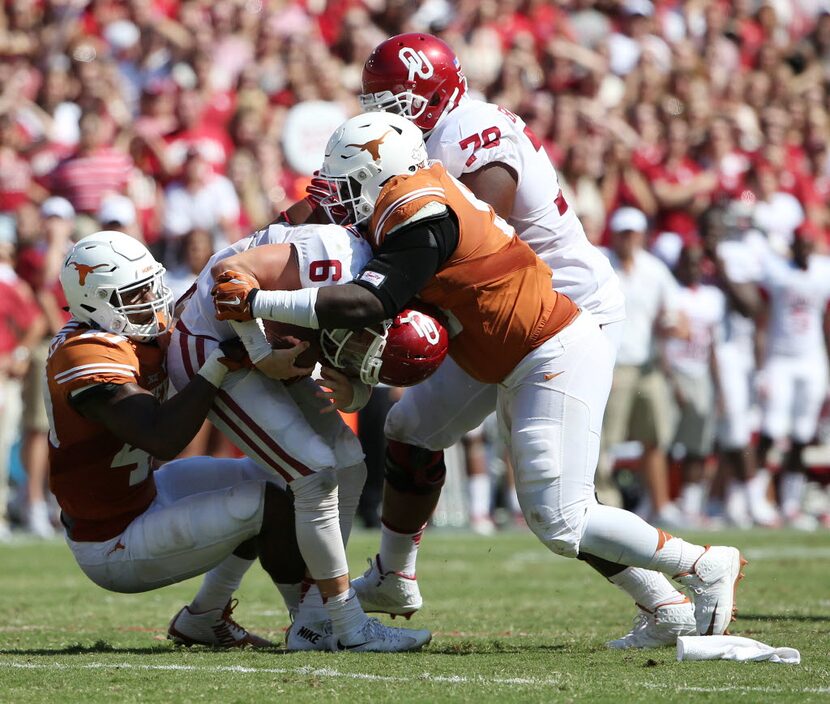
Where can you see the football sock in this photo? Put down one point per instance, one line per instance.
(312, 598)
(345, 613)
(220, 583)
(399, 551)
(478, 486)
(691, 498)
(291, 596)
(756, 488)
(792, 491)
(619, 536)
(674, 556)
(649, 589)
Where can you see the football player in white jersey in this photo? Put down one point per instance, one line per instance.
(794, 376)
(283, 427)
(735, 250)
(693, 374)
(493, 152)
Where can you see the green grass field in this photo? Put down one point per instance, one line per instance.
(512, 623)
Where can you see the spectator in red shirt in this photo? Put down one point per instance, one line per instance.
(17, 183)
(21, 327)
(95, 169)
(40, 265)
(195, 133)
(681, 187)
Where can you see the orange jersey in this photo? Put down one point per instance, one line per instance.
(100, 482)
(496, 292)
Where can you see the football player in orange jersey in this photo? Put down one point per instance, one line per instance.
(432, 238)
(496, 155)
(130, 528)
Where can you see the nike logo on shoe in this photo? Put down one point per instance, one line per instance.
(340, 645)
(548, 377)
(308, 634)
(711, 630)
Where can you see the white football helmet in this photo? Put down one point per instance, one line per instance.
(111, 279)
(361, 155)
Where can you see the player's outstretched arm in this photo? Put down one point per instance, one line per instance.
(401, 267)
(162, 429)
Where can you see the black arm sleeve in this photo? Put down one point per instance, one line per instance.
(408, 258)
(96, 393)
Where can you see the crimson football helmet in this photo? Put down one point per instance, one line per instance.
(415, 75)
(399, 352)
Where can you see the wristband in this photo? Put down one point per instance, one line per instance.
(252, 335)
(294, 307)
(213, 371)
(360, 396)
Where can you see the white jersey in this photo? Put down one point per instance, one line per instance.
(327, 254)
(798, 299)
(651, 294)
(704, 308)
(476, 134)
(743, 265)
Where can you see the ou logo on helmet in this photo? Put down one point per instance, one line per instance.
(416, 63)
(423, 325)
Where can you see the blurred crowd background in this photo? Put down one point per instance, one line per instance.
(190, 123)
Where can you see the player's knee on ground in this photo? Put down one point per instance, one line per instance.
(414, 470)
(277, 546)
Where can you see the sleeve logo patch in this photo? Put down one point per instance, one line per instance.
(372, 277)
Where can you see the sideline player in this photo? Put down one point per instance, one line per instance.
(433, 238)
(282, 426)
(794, 376)
(735, 250)
(132, 529)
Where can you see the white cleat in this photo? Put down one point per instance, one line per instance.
(390, 593)
(310, 631)
(659, 628)
(214, 628)
(374, 637)
(713, 580)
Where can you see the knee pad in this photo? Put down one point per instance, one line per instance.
(414, 470)
(559, 532)
(245, 500)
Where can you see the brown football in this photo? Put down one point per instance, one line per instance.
(278, 335)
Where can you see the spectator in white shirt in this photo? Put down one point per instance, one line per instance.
(639, 407)
(201, 200)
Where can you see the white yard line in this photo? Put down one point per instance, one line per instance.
(305, 671)
(309, 671)
(738, 688)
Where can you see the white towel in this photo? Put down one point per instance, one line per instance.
(733, 648)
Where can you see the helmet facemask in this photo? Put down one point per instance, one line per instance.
(406, 103)
(349, 202)
(358, 353)
(128, 312)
